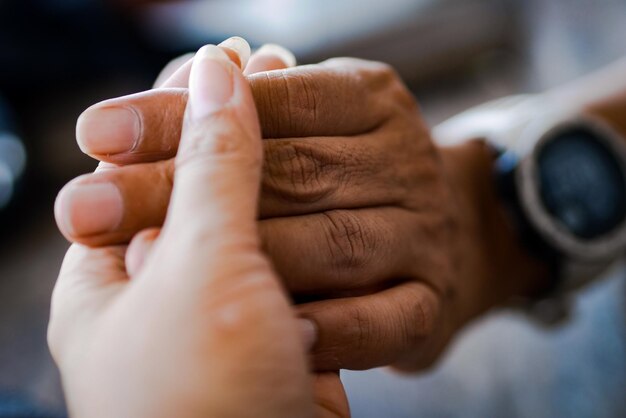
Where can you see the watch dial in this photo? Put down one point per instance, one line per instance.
(582, 184)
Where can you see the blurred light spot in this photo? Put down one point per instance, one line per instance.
(6, 185)
(12, 153)
(12, 164)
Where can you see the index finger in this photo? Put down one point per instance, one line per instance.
(337, 98)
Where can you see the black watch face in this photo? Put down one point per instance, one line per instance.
(582, 184)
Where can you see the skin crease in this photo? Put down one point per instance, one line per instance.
(389, 222)
(367, 192)
(148, 347)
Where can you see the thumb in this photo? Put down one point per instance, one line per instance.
(218, 166)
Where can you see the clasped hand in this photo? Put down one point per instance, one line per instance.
(372, 229)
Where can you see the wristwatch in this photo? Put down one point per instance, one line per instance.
(562, 176)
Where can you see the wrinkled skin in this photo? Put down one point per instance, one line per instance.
(203, 327)
(389, 243)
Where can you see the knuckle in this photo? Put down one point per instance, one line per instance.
(384, 78)
(421, 333)
(362, 327)
(401, 95)
(414, 326)
(379, 74)
(303, 101)
(417, 317)
(349, 242)
(299, 172)
(170, 123)
(287, 102)
(419, 322)
(437, 268)
(384, 71)
(383, 85)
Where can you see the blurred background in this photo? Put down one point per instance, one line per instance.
(57, 57)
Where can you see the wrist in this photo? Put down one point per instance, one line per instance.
(494, 267)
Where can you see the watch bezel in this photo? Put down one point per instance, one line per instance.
(537, 136)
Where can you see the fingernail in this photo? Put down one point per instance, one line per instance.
(308, 329)
(278, 51)
(88, 209)
(211, 82)
(107, 130)
(241, 47)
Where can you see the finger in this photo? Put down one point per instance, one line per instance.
(120, 130)
(317, 174)
(236, 48)
(334, 98)
(139, 249)
(375, 330)
(300, 177)
(208, 253)
(134, 128)
(172, 68)
(342, 250)
(317, 100)
(112, 205)
(270, 57)
(346, 249)
(218, 166)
